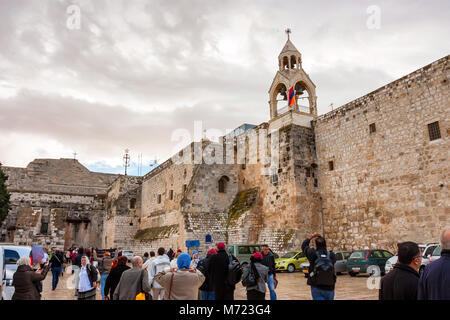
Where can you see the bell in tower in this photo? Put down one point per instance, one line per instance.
(292, 90)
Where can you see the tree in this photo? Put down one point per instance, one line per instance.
(4, 196)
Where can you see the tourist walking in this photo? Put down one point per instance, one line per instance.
(434, 283)
(26, 281)
(260, 273)
(322, 277)
(206, 289)
(76, 266)
(161, 263)
(218, 267)
(181, 283)
(402, 281)
(132, 282)
(56, 265)
(114, 277)
(104, 268)
(88, 278)
(269, 261)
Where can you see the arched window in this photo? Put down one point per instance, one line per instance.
(281, 98)
(132, 203)
(302, 98)
(285, 63)
(223, 181)
(293, 62)
(208, 238)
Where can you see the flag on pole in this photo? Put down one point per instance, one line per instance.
(291, 97)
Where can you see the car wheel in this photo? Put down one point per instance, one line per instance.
(291, 268)
(352, 274)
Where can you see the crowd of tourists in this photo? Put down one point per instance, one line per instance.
(181, 276)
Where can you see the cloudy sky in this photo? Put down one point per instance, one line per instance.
(136, 71)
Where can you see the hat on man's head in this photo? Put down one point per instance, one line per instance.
(221, 246)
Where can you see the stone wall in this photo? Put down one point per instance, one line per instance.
(390, 185)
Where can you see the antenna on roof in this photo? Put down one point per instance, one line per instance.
(126, 160)
(75, 155)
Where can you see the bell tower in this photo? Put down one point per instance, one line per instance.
(290, 74)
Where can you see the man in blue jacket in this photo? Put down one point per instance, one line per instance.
(434, 284)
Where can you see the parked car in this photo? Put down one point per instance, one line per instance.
(10, 255)
(436, 254)
(339, 267)
(427, 250)
(290, 261)
(243, 251)
(128, 253)
(364, 261)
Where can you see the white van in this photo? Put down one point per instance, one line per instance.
(9, 256)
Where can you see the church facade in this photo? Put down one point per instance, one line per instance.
(366, 175)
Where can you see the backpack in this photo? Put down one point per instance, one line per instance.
(234, 271)
(323, 271)
(250, 279)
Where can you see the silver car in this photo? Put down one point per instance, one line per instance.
(339, 267)
(10, 255)
(427, 251)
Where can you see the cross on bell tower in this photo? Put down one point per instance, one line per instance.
(291, 78)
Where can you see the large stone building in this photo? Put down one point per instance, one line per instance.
(368, 174)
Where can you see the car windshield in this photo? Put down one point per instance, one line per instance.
(358, 254)
(289, 255)
(437, 251)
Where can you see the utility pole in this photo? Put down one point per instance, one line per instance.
(126, 160)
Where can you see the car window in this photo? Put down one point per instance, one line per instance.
(377, 254)
(429, 251)
(11, 256)
(253, 249)
(346, 255)
(437, 251)
(244, 250)
(358, 255)
(338, 256)
(230, 249)
(387, 254)
(300, 255)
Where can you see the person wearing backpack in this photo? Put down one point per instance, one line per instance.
(269, 261)
(219, 269)
(322, 277)
(255, 277)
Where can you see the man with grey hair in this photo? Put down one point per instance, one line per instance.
(133, 281)
(434, 283)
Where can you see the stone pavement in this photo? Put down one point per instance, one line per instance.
(291, 286)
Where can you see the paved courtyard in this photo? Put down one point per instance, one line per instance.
(291, 286)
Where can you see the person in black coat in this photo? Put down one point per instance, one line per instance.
(434, 283)
(207, 288)
(170, 254)
(218, 268)
(114, 277)
(401, 283)
(318, 292)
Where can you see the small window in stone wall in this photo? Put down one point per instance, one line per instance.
(331, 165)
(44, 228)
(274, 178)
(316, 184)
(372, 128)
(223, 181)
(133, 203)
(208, 238)
(434, 131)
(159, 198)
(308, 172)
(171, 194)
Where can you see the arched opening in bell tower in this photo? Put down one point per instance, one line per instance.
(302, 98)
(293, 62)
(281, 98)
